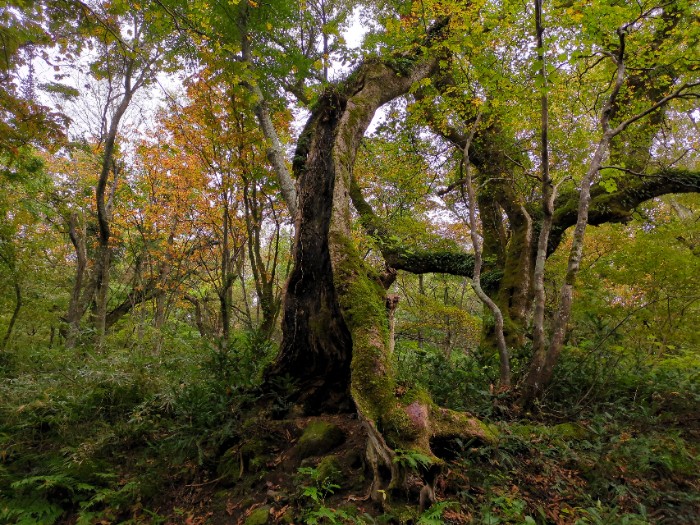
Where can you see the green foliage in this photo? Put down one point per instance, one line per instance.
(505, 509)
(94, 438)
(321, 487)
(412, 459)
(91, 435)
(433, 515)
(327, 515)
(316, 489)
(459, 381)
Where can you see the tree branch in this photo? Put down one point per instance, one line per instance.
(619, 205)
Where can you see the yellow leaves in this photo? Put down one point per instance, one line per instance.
(574, 14)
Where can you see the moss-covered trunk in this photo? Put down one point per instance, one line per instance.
(316, 347)
(335, 325)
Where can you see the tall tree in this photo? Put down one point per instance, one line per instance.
(335, 323)
(132, 45)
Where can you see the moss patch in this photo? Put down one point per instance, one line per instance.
(318, 438)
(329, 469)
(259, 516)
(570, 431)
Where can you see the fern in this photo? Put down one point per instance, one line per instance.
(29, 511)
(433, 516)
(412, 459)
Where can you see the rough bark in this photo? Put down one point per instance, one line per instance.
(316, 345)
(335, 325)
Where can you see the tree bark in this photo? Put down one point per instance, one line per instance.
(335, 325)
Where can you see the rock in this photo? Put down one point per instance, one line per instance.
(318, 438)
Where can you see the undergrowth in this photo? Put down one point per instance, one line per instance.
(100, 436)
(112, 437)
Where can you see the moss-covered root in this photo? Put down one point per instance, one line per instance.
(392, 424)
(450, 424)
(407, 440)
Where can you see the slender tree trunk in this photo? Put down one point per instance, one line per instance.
(275, 151)
(530, 385)
(82, 292)
(421, 293)
(102, 267)
(227, 278)
(264, 278)
(204, 330)
(105, 201)
(542, 365)
(504, 356)
(392, 301)
(15, 312)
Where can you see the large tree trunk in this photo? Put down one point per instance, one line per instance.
(335, 325)
(316, 346)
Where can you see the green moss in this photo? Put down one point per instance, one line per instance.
(362, 300)
(259, 516)
(562, 431)
(318, 438)
(400, 512)
(491, 431)
(570, 431)
(525, 431)
(329, 469)
(419, 394)
(362, 296)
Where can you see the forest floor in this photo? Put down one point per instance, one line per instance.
(148, 439)
(568, 473)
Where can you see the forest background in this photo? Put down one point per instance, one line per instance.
(482, 310)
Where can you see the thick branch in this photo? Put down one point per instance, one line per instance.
(136, 297)
(619, 205)
(453, 261)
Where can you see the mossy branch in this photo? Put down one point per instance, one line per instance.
(453, 260)
(618, 206)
